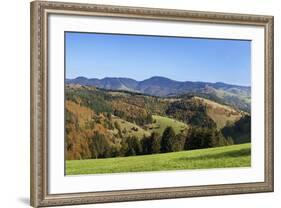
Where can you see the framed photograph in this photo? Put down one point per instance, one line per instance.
(135, 104)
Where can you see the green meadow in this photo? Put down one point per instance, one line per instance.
(161, 122)
(219, 157)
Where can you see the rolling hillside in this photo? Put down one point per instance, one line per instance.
(234, 95)
(129, 129)
(112, 120)
(221, 114)
(221, 157)
(160, 123)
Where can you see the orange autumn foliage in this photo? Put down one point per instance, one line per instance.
(81, 126)
(82, 113)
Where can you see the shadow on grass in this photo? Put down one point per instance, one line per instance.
(229, 154)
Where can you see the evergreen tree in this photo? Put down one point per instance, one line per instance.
(151, 144)
(178, 143)
(239, 131)
(199, 138)
(230, 140)
(146, 145)
(155, 143)
(167, 139)
(134, 146)
(100, 146)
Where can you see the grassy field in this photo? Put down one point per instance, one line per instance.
(220, 114)
(130, 128)
(162, 122)
(220, 157)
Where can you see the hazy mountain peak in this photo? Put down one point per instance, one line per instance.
(81, 77)
(161, 86)
(159, 77)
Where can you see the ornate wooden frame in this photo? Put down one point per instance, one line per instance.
(39, 103)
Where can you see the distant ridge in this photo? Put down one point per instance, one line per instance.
(115, 82)
(234, 95)
(157, 85)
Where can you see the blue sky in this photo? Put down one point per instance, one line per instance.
(140, 57)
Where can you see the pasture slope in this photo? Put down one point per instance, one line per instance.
(220, 157)
(160, 123)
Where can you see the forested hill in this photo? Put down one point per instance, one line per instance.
(104, 123)
(234, 95)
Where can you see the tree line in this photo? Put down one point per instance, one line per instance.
(191, 112)
(195, 138)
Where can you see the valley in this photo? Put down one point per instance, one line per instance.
(138, 103)
(105, 123)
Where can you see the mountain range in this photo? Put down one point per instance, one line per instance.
(234, 95)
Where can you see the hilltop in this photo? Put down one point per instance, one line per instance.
(234, 95)
(116, 116)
